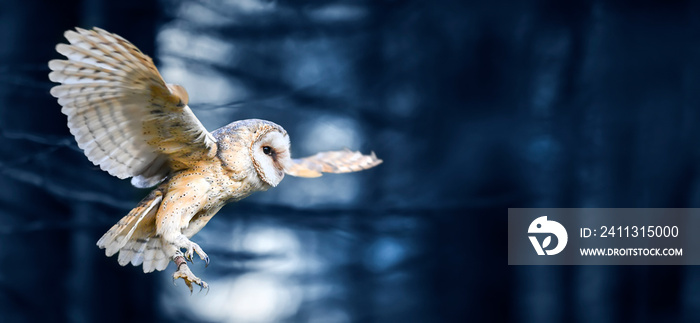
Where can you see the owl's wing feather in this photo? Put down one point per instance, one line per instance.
(121, 112)
(343, 161)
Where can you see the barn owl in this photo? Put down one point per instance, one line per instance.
(132, 124)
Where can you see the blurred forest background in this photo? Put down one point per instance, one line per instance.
(474, 106)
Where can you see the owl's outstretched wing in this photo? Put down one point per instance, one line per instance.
(121, 112)
(343, 161)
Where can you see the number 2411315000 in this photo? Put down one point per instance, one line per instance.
(651, 231)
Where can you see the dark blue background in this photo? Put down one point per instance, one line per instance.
(474, 106)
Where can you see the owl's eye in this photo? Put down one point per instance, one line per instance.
(267, 150)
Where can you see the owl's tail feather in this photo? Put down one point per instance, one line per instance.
(134, 236)
(144, 251)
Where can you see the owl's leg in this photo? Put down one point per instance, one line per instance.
(181, 203)
(184, 272)
(182, 242)
(172, 246)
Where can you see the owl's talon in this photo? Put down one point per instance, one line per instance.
(206, 261)
(196, 248)
(192, 248)
(184, 272)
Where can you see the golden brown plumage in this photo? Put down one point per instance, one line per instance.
(132, 124)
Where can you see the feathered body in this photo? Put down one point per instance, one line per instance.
(132, 124)
(197, 193)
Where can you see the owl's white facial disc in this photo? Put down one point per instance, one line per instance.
(271, 156)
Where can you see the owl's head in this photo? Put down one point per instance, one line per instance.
(257, 150)
(270, 152)
(254, 150)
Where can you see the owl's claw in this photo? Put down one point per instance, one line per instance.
(191, 249)
(184, 272)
